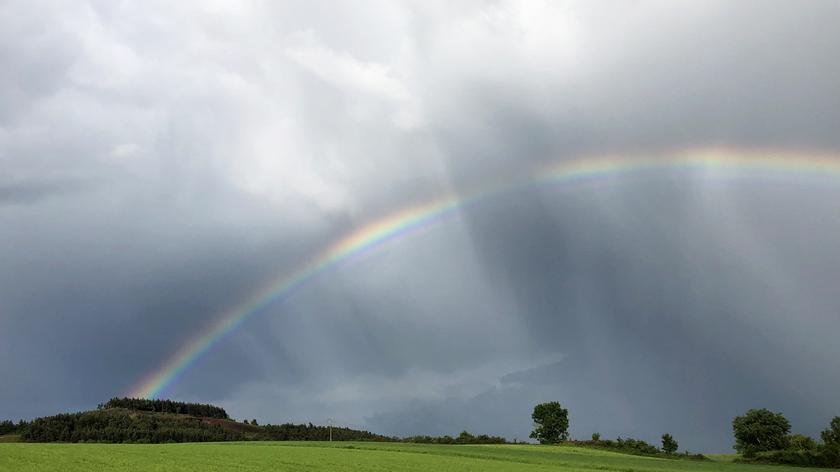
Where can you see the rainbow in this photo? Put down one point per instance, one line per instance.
(713, 162)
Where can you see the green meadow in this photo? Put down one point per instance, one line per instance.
(340, 456)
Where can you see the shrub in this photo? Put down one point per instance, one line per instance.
(637, 445)
(826, 456)
(801, 442)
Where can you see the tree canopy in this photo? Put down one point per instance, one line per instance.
(760, 430)
(669, 444)
(166, 406)
(551, 423)
(832, 434)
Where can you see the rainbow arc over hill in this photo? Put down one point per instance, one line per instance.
(710, 163)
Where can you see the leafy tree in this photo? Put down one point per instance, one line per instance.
(551, 423)
(596, 437)
(760, 430)
(254, 422)
(669, 444)
(831, 436)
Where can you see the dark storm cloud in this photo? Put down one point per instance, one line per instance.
(161, 163)
(660, 327)
(108, 296)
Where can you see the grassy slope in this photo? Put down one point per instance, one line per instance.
(311, 456)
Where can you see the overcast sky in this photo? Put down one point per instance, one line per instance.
(161, 161)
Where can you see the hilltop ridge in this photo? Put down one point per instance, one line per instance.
(131, 420)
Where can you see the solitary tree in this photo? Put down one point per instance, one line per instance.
(832, 434)
(760, 430)
(551, 423)
(669, 444)
(596, 437)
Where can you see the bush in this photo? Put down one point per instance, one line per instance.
(628, 445)
(801, 442)
(637, 445)
(824, 456)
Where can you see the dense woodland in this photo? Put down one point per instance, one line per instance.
(131, 420)
(121, 425)
(166, 406)
(9, 427)
(118, 425)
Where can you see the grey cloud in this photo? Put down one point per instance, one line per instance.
(162, 163)
(28, 192)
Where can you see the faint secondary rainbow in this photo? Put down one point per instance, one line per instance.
(405, 221)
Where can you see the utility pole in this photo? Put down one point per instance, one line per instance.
(330, 423)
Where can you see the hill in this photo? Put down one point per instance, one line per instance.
(162, 422)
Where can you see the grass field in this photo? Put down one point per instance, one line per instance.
(314, 456)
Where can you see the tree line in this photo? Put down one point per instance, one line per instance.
(9, 427)
(117, 425)
(123, 426)
(129, 420)
(760, 436)
(464, 438)
(310, 432)
(764, 436)
(551, 426)
(166, 406)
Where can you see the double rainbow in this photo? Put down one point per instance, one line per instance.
(715, 162)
